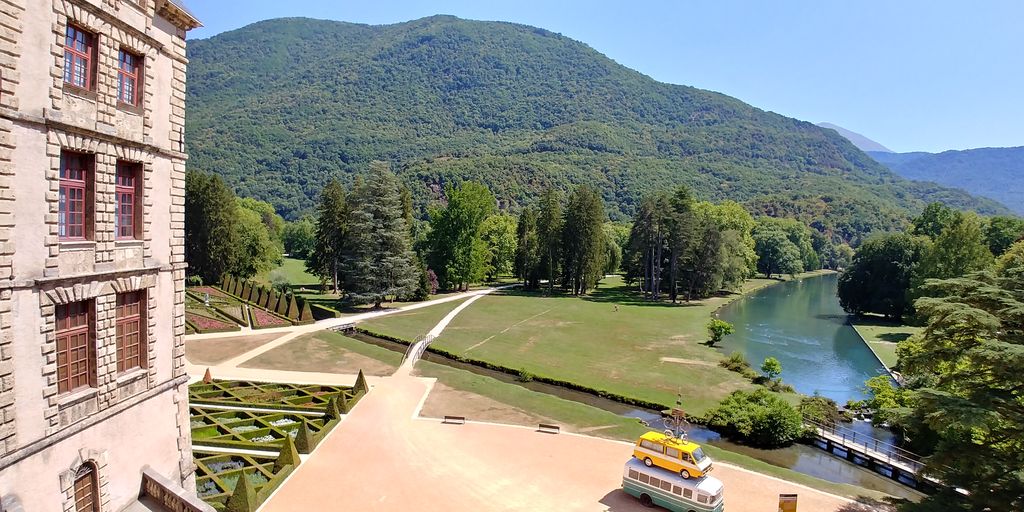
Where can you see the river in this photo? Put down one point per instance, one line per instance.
(801, 324)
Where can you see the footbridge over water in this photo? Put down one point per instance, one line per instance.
(879, 456)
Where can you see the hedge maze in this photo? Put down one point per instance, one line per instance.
(281, 420)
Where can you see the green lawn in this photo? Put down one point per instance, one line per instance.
(610, 340)
(409, 325)
(294, 271)
(882, 336)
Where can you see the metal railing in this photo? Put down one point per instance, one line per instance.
(870, 446)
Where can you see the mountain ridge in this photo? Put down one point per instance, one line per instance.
(996, 173)
(281, 106)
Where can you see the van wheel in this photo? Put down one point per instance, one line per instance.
(648, 462)
(684, 473)
(646, 500)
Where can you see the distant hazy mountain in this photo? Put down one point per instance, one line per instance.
(863, 143)
(996, 173)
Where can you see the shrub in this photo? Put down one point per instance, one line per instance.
(194, 281)
(820, 409)
(718, 329)
(524, 376)
(759, 418)
(771, 367)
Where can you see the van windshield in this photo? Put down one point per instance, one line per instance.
(698, 455)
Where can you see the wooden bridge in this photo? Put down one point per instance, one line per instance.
(884, 458)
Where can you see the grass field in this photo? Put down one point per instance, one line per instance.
(882, 336)
(610, 340)
(328, 351)
(409, 325)
(294, 271)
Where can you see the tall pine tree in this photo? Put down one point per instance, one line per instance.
(329, 248)
(583, 240)
(528, 249)
(549, 235)
(381, 262)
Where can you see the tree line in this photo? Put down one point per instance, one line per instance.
(888, 271)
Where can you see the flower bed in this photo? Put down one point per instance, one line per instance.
(201, 323)
(263, 319)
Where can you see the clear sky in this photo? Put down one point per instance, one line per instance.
(912, 75)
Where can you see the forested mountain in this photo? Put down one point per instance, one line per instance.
(863, 143)
(279, 107)
(996, 173)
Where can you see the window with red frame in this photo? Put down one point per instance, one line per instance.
(76, 348)
(129, 78)
(86, 495)
(79, 61)
(74, 208)
(127, 190)
(131, 333)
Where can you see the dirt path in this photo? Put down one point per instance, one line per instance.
(686, 361)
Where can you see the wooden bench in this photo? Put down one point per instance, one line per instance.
(454, 420)
(548, 428)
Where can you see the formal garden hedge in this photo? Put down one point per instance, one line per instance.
(240, 482)
(296, 310)
(218, 476)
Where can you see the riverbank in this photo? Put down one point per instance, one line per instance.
(882, 336)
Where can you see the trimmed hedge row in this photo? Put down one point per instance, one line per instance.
(628, 400)
(296, 309)
(321, 312)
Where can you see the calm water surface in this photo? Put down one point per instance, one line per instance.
(801, 324)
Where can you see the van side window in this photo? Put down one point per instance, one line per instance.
(655, 482)
(687, 493)
(650, 445)
(702, 498)
(666, 486)
(678, 491)
(634, 474)
(672, 452)
(645, 478)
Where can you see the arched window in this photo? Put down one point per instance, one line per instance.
(87, 498)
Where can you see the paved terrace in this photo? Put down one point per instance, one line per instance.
(384, 457)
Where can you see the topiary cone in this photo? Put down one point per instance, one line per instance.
(342, 403)
(361, 384)
(331, 410)
(207, 377)
(243, 499)
(289, 455)
(304, 438)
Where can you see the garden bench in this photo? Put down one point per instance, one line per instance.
(454, 420)
(548, 428)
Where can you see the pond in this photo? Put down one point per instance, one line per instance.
(801, 324)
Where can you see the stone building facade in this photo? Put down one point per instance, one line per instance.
(93, 390)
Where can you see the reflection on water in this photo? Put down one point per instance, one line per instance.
(801, 324)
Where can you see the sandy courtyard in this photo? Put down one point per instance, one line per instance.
(380, 458)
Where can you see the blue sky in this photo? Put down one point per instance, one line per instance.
(912, 75)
